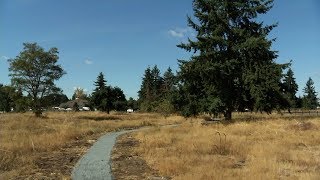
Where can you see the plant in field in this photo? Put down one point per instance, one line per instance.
(222, 148)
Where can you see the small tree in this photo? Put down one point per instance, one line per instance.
(34, 71)
(310, 100)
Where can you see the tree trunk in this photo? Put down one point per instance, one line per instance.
(228, 115)
(38, 113)
(36, 107)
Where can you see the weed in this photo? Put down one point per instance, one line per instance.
(221, 148)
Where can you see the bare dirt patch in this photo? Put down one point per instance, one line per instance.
(126, 164)
(58, 164)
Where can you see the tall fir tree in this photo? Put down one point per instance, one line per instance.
(233, 66)
(290, 88)
(310, 100)
(101, 97)
(146, 86)
(169, 81)
(150, 91)
(156, 83)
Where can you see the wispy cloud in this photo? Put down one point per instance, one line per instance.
(176, 33)
(5, 57)
(181, 32)
(88, 61)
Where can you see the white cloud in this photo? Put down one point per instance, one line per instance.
(5, 57)
(88, 61)
(181, 32)
(175, 33)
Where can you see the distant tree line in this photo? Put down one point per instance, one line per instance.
(233, 68)
(165, 94)
(33, 73)
(156, 91)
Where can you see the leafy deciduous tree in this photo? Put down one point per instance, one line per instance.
(34, 71)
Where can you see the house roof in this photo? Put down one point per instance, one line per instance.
(81, 103)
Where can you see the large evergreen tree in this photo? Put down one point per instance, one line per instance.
(310, 100)
(101, 97)
(145, 92)
(156, 83)
(156, 91)
(233, 66)
(169, 81)
(290, 88)
(150, 90)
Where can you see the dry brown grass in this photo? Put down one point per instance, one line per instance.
(273, 148)
(23, 138)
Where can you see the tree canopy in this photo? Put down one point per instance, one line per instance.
(290, 88)
(233, 66)
(157, 91)
(34, 71)
(107, 98)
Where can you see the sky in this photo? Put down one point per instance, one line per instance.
(121, 38)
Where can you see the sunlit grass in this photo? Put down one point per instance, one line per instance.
(23, 137)
(269, 148)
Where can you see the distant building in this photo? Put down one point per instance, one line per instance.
(82, 104)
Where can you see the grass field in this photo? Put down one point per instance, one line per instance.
(266, 147)
(49, 147)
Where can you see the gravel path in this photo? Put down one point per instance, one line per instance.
(95, 164)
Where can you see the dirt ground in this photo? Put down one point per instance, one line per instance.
(128, 165)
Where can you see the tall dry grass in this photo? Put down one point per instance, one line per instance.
(23, 137)
(273, 148)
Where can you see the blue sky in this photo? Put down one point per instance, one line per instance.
(121, 38)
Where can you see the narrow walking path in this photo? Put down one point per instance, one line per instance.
(95, 164)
